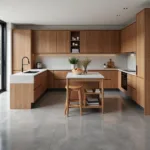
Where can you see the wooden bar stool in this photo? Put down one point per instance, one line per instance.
(79, 100)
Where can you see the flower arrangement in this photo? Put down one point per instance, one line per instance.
(85, 64)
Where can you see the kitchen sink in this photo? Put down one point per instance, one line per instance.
(31, 72)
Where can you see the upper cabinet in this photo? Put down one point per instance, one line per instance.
(21, 46)
(63, 42)
(97, 42)
(44, 42)
(50, 42)
(128, 39)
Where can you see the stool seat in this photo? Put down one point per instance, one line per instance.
(69, 104)
(74, 87)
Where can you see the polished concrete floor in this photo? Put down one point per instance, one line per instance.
(122, 127)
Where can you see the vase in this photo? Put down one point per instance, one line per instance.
(85, 70)
(73, 66)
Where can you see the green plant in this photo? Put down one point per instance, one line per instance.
(85, 63)
(73, 60)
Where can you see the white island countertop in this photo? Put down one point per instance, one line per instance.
(89, 75)
(23, 77)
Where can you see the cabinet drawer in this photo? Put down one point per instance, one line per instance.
(37, 81)
(37, 93)
(60, 74)
(132, 81)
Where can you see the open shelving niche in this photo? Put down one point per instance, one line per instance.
(75, 42)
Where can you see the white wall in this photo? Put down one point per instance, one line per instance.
(61, 62)
(131, 62)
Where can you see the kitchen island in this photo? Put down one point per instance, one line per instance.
(89, 77)
(26, 87)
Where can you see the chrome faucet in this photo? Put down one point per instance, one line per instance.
(25, 64)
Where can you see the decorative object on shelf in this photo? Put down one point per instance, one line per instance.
(73, 39)
(73, 61)
(77, 71)
(85, 64)
(75, 51)
(78, 38)
(110, 64)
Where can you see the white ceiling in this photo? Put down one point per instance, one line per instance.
(70, 12)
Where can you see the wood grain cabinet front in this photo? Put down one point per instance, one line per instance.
(129, 39)
(99, 42)
(44, 42)
(21, 46)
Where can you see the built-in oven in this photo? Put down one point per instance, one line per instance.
(124, 80)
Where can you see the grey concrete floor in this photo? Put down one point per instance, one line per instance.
(122, 127)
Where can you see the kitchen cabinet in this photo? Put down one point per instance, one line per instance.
(128, 39)
(21, 46)
(131, 80)
(50, 79)
(96, 42)
(40, 85)
(22, 95)
(140, 55)
(111, 78)
(63, 42)
(140, 92)
(143, 59)
(44, 42)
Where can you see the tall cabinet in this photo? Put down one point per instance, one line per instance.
(143, 59)
(21, 46)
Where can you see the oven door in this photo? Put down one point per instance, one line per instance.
(124, 80)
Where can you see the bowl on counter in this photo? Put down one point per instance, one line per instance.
(77, 71)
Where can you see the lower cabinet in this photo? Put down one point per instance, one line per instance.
(140, 92)
(40, 85)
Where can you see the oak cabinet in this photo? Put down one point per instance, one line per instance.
(111, 78)
(129, 39)
(44, 42)
(140, 92)
(63, 45)
(96, 42)
(40, 84)
(21, 46)
(140, 56)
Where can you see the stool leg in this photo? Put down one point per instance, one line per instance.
(67, 103)
(80, 102)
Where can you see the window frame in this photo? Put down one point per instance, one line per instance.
(3, 55)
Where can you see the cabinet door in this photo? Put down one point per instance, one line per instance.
(114, 42)
(140, 92)
(21, 46)
(128, 39)
(44, 42)
(63, 42)
(140, 56)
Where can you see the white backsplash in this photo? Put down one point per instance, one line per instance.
(131, 63)
(61, 62)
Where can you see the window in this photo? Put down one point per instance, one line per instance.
(2, 56)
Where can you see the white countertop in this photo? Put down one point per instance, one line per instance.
(22, 77)
(29, 77)
(89, 75)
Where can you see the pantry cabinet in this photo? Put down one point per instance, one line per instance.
(21, 46)
(129, 39)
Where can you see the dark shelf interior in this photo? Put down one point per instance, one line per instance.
(75, 41)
